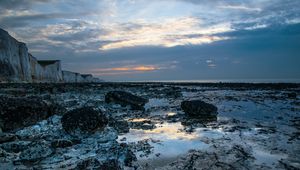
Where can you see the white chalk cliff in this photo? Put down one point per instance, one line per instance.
(17, 65)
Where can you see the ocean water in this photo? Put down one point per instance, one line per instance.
(224, 81)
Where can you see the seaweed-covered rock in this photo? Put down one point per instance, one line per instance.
(61, 143)
(15, 146)
(84, 120)
(93, 163)
(20, 112)
(7, 137)
(36, 151)
(124, 98)
(198, 108)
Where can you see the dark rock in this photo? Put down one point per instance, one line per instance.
(61, 143)
(7, 137)
(93, 163)
(3, 153)
(120, 126)
(110, 164)
(15, 146)
(84, 120)
(198, 108)
(20, 112)
(292, 95)
(129, 158)
(125, 98)
(145, 125)
(36, 151)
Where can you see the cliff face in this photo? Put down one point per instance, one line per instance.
(51, 71)
(17, 65)
(72, 77)
(14, 60)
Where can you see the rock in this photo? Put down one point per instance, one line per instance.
(61, 143)
(36, 151)
(93, 163)
(198, 108)
(125, 98)
(20, 112)
(3, 153)
(7, 137)
(120, 126)
(15, 146)
(84, 120)
(292, 95)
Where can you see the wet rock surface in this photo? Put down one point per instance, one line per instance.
(36, 151)
(198, 108)
(257, 126)
(7, 137)
(85, 120)
(19, 112)
(124, 98)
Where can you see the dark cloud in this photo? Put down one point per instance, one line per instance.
(30, 19)
(20, 4)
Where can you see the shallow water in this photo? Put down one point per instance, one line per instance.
(171, 140)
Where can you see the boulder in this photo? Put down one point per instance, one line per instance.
(125, 98)
(198, 108)
(20, 112)
(84, 120)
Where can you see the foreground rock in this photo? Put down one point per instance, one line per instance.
(36, 151)
(7, 137)
(198, 108)
(20, 112)
(82, 121)
(125, 98)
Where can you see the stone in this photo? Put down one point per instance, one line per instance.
(15, 146)
(124, 98)
(198, 108)
(61, 143)
(17, 113)
(85, 120)
(120, 126)
(36, 151)
(93, 163)
(7, 137)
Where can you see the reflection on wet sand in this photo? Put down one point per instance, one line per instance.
(168, 141)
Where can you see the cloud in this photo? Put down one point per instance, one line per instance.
(20, 4)
(21, 19)
(240, 7)
(124, 70)
(169, 33)
(136, 68)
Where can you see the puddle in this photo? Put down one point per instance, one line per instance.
(169, 141)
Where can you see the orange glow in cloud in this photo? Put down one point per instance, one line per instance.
(137, 68)
(124, 70)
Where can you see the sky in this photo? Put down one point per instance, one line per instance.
(143, 40)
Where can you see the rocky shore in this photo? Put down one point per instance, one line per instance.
(149, 126)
